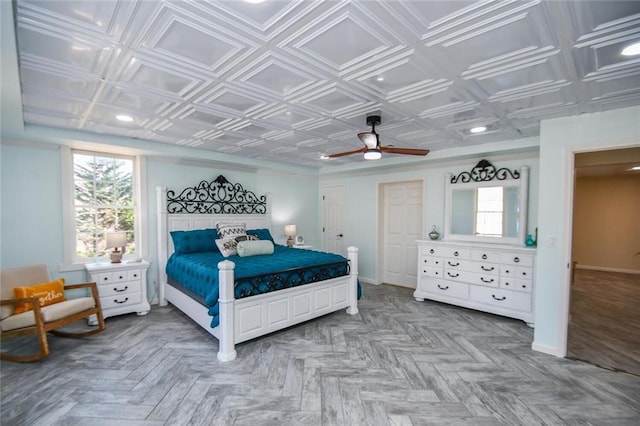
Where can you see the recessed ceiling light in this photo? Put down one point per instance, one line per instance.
(124, 117)
(631, 50)
(380, 78)
(478, 129)
(254, 1)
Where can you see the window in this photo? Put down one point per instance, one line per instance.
(489, 206)
(103, 201)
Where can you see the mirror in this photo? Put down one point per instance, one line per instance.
(487, 205)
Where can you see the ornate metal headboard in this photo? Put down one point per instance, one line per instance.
(216, 197)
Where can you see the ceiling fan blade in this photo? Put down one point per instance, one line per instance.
(370, 139)
(406, 151)
(342, 154)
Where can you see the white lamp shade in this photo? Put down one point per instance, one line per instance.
(290, 230)
(116, 239)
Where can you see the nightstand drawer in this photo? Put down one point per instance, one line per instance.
(114, 289)
(120, 300)
(118, 276)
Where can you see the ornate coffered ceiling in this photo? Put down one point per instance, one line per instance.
(290, 81)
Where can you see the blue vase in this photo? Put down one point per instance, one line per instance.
(530, 242)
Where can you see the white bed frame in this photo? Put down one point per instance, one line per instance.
(249, 317)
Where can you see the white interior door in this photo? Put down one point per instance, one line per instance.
(402, 226)
(333, 214)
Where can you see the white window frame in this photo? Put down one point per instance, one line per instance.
(70, 261)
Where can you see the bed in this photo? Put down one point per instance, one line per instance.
(236, 298)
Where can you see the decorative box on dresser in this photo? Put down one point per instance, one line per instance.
(122, 286)
(487, 277)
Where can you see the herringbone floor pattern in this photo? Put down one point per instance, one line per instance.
(399, 362)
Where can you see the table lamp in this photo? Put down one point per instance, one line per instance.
(117, 241)
(290, 231)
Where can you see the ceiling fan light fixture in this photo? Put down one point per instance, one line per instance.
(372, 154)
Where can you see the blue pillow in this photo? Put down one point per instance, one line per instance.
(262, 234)
(195, 241)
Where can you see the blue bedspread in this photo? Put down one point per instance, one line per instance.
(286, 267)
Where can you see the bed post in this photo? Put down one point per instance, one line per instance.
(226, 341)
(352, 254)
(161, 202)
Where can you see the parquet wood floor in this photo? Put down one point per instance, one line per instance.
(399, 362)
(605, 319)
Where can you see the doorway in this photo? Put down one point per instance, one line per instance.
(402, 213)
(604, 317)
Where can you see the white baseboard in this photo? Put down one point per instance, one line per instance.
(549, 350)
(368, 281)
(606, 269)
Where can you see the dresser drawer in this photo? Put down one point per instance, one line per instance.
(446, 251)
(447, 288)
(520, 272)
(431, 261)
(486, 256)
(471, 277)
(429, 271)
(516, 284)
(513, 300)
(114, 289)
(517, 259)
(120, 300)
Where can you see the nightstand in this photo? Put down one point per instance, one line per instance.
(122, 286)
(303, 246)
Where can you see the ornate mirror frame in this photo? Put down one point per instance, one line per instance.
(484, 175)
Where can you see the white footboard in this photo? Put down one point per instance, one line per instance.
(251, 317)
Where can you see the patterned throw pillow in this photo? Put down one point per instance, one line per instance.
(48, 293)
(227, 246)
(231, 230)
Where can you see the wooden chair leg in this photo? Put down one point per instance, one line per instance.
(42, 342)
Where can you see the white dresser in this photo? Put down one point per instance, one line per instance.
(487, 277)
(122, 287)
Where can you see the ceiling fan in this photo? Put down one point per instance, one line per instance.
(372, 149)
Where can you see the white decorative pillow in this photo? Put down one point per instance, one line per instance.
(227, 246)
(231, 230)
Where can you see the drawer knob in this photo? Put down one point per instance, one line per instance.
(507, 284)
(453, 275)
(121, 301)
(120, 277)
(498, 298)
(524, 274)
(507, 271)
(486, 281)
(431, 251)
(516, 259)
(524, 286)
(105, 279)
(455, 253)
(484, 257)
(443, 288)
(135, 275)
(120, 291)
